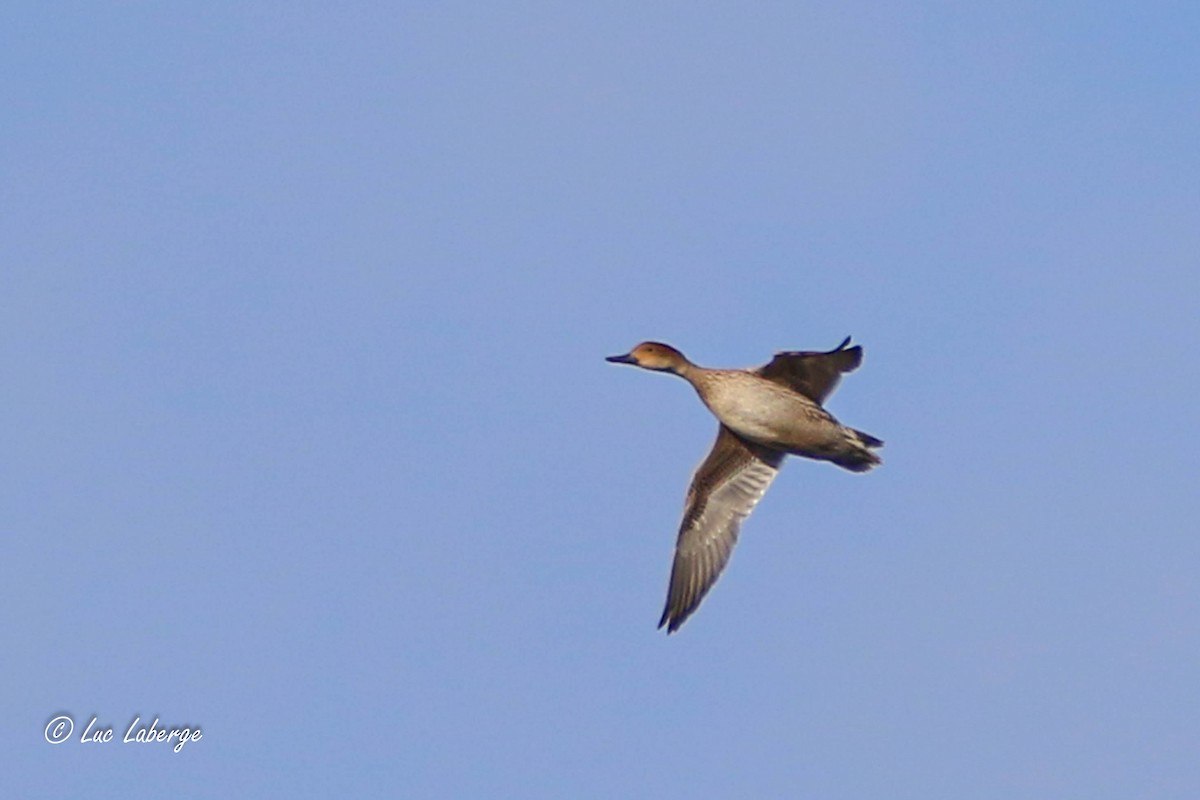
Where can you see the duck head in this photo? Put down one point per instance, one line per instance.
(652, 355)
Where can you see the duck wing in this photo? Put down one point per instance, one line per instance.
(813, 374)
(726, 487)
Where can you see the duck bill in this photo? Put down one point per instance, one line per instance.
(625, 359)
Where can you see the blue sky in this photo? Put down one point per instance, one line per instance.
(309, 439)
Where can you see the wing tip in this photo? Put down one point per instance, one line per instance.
(670, 621)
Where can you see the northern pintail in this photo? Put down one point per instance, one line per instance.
(766, 414)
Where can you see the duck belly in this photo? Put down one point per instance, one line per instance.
(778, 419)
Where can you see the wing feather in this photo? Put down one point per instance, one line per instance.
(726, 487)
(813, 374)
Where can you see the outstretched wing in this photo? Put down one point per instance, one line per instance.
(724, 490)
(813, 374)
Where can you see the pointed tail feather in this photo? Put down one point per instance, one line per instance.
(859, 457)
(867, 439)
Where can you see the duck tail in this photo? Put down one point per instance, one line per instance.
(867, 439)
(858, 456)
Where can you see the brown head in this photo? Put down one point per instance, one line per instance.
(653, 355)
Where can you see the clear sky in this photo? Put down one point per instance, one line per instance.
(308, 437)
